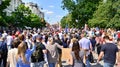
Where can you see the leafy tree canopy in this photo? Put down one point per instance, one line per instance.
(81, 10)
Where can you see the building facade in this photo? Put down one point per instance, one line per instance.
(13, 5)
(35, 9)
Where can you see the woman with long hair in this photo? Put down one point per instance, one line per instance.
(77, 56)
(24, 54)
(11, 62)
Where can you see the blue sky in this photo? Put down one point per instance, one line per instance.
(51, 8)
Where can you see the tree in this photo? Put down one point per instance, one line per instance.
(36, 21)
(24, 17)
(67, 21)
(107, 15)
(115, 21)
(81, 10)
(63, 22)
(21, 16)
(3, 5)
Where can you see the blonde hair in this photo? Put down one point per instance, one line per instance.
(21, 51)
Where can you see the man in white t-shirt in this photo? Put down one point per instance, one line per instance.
(9, 40)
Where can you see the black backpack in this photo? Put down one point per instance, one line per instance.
(3, 48)
(38, 55)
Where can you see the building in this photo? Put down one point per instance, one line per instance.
(35, 9)
(13, 5)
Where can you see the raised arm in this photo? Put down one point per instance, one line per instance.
(59, 46)
(33, 48)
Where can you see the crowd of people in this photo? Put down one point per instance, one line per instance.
(34, 48)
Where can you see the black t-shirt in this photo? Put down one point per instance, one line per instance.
(109, 50)
(38, 54)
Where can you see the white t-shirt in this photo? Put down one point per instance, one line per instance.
(9, 40)
(12, 57)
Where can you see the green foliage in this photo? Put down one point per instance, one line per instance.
(21, 16)
(35, 21)
(24, 17)
(81, 10)
(66, 21)
(107, 15)
(63, 22)
(101, 16)
(4, 5)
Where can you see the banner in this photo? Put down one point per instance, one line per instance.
(66, 53)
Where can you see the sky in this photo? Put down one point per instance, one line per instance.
(51, 8)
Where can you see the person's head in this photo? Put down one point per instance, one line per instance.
(9, 33)
(83, 34)
(75, 46)
(76, 49)
(21, 37)
(39, 38)
(118, 41)
(50, 40)
(56, 38)
(15, 43)
(106, 38)
(17, 33)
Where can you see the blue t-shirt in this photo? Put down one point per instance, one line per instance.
(27, 55)
(85, 43)
(110, 51)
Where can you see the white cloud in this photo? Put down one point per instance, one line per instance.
(48, 12)
(44, 10)
(58, 16)
(51, 6)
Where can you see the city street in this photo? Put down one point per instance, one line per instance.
(42, 33)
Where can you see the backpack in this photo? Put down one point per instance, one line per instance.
(38, 55)
(3, 48)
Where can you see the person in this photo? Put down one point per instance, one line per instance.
(77, 56)
(3, 52)
(109, 50)
(28, 40)
(93, 42)
(86, 46)
(11, 62)
(64, 41)
(37, 58)
(57, 40)
(21, 37)
(24, 54)
(9, 40)
(4, 34)
(118, 54)
(52, 52)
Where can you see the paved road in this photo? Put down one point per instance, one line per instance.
(100, 64)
